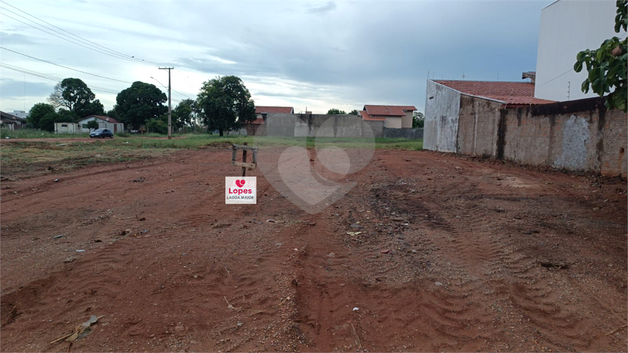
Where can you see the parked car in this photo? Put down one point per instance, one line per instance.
(102, 133)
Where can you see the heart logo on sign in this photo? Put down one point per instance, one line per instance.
(240, 183)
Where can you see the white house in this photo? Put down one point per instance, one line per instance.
(76, 128)
(568, 27)
(103, 122)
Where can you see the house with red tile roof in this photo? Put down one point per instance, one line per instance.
(393, 116)
(262, 111)
(104, 122)
(513, 94)
(457, 111)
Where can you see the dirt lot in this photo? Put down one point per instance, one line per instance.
(452, 254)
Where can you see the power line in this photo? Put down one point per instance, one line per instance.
(47, 31)
(33, 73)
(52, 78)
(162, 85)
(50, 29)
(65, 67)
(70, 33)
(563, 74)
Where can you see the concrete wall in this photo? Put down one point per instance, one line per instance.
(576, 135)
(442, 109)
(477, 126)
(567, 27)
(411, 134)
(280, 125)
(321, 125)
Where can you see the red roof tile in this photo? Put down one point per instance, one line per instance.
(388, 110)
(105, 118)
(512, 93)
(273, 110)
(366, 116)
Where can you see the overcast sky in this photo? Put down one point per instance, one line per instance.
(314, 54)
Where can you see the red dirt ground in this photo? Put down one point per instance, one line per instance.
(454, 254)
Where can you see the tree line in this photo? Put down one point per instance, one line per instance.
(223, 104)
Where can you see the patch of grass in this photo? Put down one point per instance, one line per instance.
(34, 134)
(29, 158)
(33, 157)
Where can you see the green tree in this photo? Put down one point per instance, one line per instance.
(418, 120)
(182, 114)
(92, 108)
(335, 111)
(607, 65)
(37, 112)
(113, 114)
(354, 112)
(140, 103)
(67, 116)
(158, 125)
(92, 125)
(73, 93)
(48, 121)
(224, 104)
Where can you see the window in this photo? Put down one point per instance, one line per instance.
(64, 125)
(84, 126)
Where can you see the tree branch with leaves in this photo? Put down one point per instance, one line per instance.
(606, 65)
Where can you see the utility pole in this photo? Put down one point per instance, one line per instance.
(169, 102)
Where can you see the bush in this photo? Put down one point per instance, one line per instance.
(157, 126)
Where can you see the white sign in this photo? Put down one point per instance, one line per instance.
(240, 190)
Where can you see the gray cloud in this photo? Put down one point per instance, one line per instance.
(17, 89)
(330, 6)
(15, 38)
(369, 52)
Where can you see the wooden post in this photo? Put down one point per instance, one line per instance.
(244, 160)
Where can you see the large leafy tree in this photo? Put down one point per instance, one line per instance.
(37, 112)
(73, 94)
(140, 103)
(224, 104)
(335, 111)
(607, 65)
(91, 108)
(183, 113)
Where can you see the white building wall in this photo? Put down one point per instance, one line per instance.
(115, 128)
(568, 27)
(67, 128)
(393, 123)
(442, 111)
(406, 121)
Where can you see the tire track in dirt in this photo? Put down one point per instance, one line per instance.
(467, 234)
(529, 291)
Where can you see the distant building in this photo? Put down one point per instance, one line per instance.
(81, 127)
(568, 27)
(20, 114)
(261, 112)
(393, 116)
(103, 122)
(12, 122)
